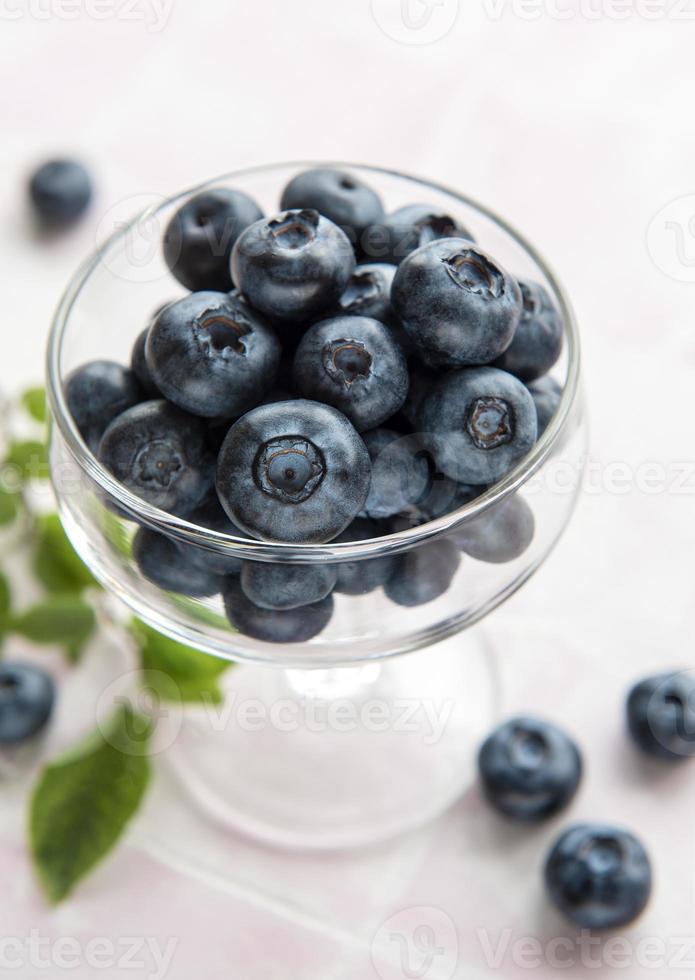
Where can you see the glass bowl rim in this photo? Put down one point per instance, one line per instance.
(246, 548)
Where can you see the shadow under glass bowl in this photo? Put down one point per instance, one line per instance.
(109, 302)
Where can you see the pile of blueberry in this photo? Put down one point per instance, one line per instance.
(599, 876)
(334, 374)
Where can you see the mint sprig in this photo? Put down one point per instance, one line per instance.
(85, 799)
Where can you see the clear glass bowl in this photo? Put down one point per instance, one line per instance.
(107, 305)
(305, 785)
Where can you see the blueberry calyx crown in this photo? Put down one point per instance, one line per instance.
(476, 274)
(289, 469)
(294, 230)
(490, 422)
(218, 333)
(155, 463)
(347, 361)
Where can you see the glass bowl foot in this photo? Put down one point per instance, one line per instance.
(343, 757)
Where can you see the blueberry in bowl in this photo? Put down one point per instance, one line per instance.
(96, 393)
(478, 424)
(284, 585)
(355, 364)
(409, 228)
(361, 577)
(529, 769)
(401, 473)
(537, 342)
(167, 564)
(212, 355)
(546, 394)
(423, 574)
(457, 304)
(340, 196)
(198, 240)
(500, 534)
(368, 293)
(294, 266)
(295, 625)
(160, 454)
(661, 715)
(293, 471)
(598, 876)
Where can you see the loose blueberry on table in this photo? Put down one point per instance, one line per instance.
(26, 702)
(599, 877)
(529, 769)
(308, 390)
(661, 715)
(60, 192)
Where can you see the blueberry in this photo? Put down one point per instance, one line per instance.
(27, 694)
(294, 266)
(368, 293)
(293, 471)
(355, 364)
(286, 586)
(212, 355)
(421, 380)
(138, 365)
(478, 423)
(211, 515)
(400, 473)
(423, 574)
(365, 574)
(138, 361)
(661, 715)
(96, 393)
(347, 201)
(60, 192)
(199, 238)
(598, 876)
(443, 496)
(537, 343)
(160, 454)
(456, 303)
(529, 769)
(546, 394)
(273, 625)
(500, 534)
(167, 565)
(409, 228)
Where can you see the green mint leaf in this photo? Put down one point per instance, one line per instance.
(84, 800)
(61, 619)
(29, 458)
(185, 673)
(34, 401)
(9, 507)
(56, 563)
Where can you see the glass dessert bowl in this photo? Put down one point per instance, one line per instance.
(399, 593)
